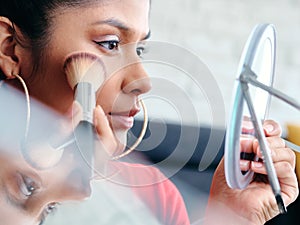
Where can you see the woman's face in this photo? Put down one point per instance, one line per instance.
(114, 30)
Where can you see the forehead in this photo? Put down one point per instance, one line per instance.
(134, 13)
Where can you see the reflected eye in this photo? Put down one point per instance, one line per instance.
(140, 51)
(27, 186)
(51, 208)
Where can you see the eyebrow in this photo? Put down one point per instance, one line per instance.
(12, 201)
(120, 25)
(42, 218)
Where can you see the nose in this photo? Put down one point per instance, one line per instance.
(136, 80)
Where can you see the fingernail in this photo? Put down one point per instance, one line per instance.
(244, 163)
(269, 128)
(257, 164)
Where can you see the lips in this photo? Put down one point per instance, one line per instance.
(123, 120)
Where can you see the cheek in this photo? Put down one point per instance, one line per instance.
(107, 94)
(49, 83)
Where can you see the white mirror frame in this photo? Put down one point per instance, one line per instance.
(234, 176)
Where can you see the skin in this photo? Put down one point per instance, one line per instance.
(255, 204)
(117, 101)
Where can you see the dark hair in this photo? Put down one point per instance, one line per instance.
(33, 18)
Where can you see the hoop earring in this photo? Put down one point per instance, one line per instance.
(140, 138)
(24, 141)
(27, 104)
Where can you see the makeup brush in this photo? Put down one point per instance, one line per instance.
(85, 73)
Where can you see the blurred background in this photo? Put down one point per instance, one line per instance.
(216, 31)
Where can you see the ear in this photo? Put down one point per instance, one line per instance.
(9, 62)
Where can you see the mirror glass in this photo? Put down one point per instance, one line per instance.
(257, 60)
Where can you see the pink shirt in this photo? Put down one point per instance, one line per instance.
(155, 190)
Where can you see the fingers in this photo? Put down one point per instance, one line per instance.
(249, 144)
(272, 131)
(101, 123)
(276, 146)
(283, 158)
(272, 142)
(286, 176)
(104, 131)
(272, 128)
(279, 155)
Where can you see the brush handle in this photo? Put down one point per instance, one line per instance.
(84, 140)
(84, 132)
(85, 96)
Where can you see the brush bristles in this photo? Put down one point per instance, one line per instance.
(84, 67)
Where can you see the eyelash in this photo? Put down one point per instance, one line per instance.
(113, 46)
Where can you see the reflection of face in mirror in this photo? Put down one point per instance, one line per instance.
(27, 195)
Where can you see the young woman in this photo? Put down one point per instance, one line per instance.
(36, 37)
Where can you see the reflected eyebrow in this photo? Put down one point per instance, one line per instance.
(41, 221)
(21, 207)
(13, 202)
(42, 218)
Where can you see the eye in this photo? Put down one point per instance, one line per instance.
(112, 45)
(50, 208)
(27, 186)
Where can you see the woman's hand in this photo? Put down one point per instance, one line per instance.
(106, 145)
(255, 204)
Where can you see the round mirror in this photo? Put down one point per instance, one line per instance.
(258, 60)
